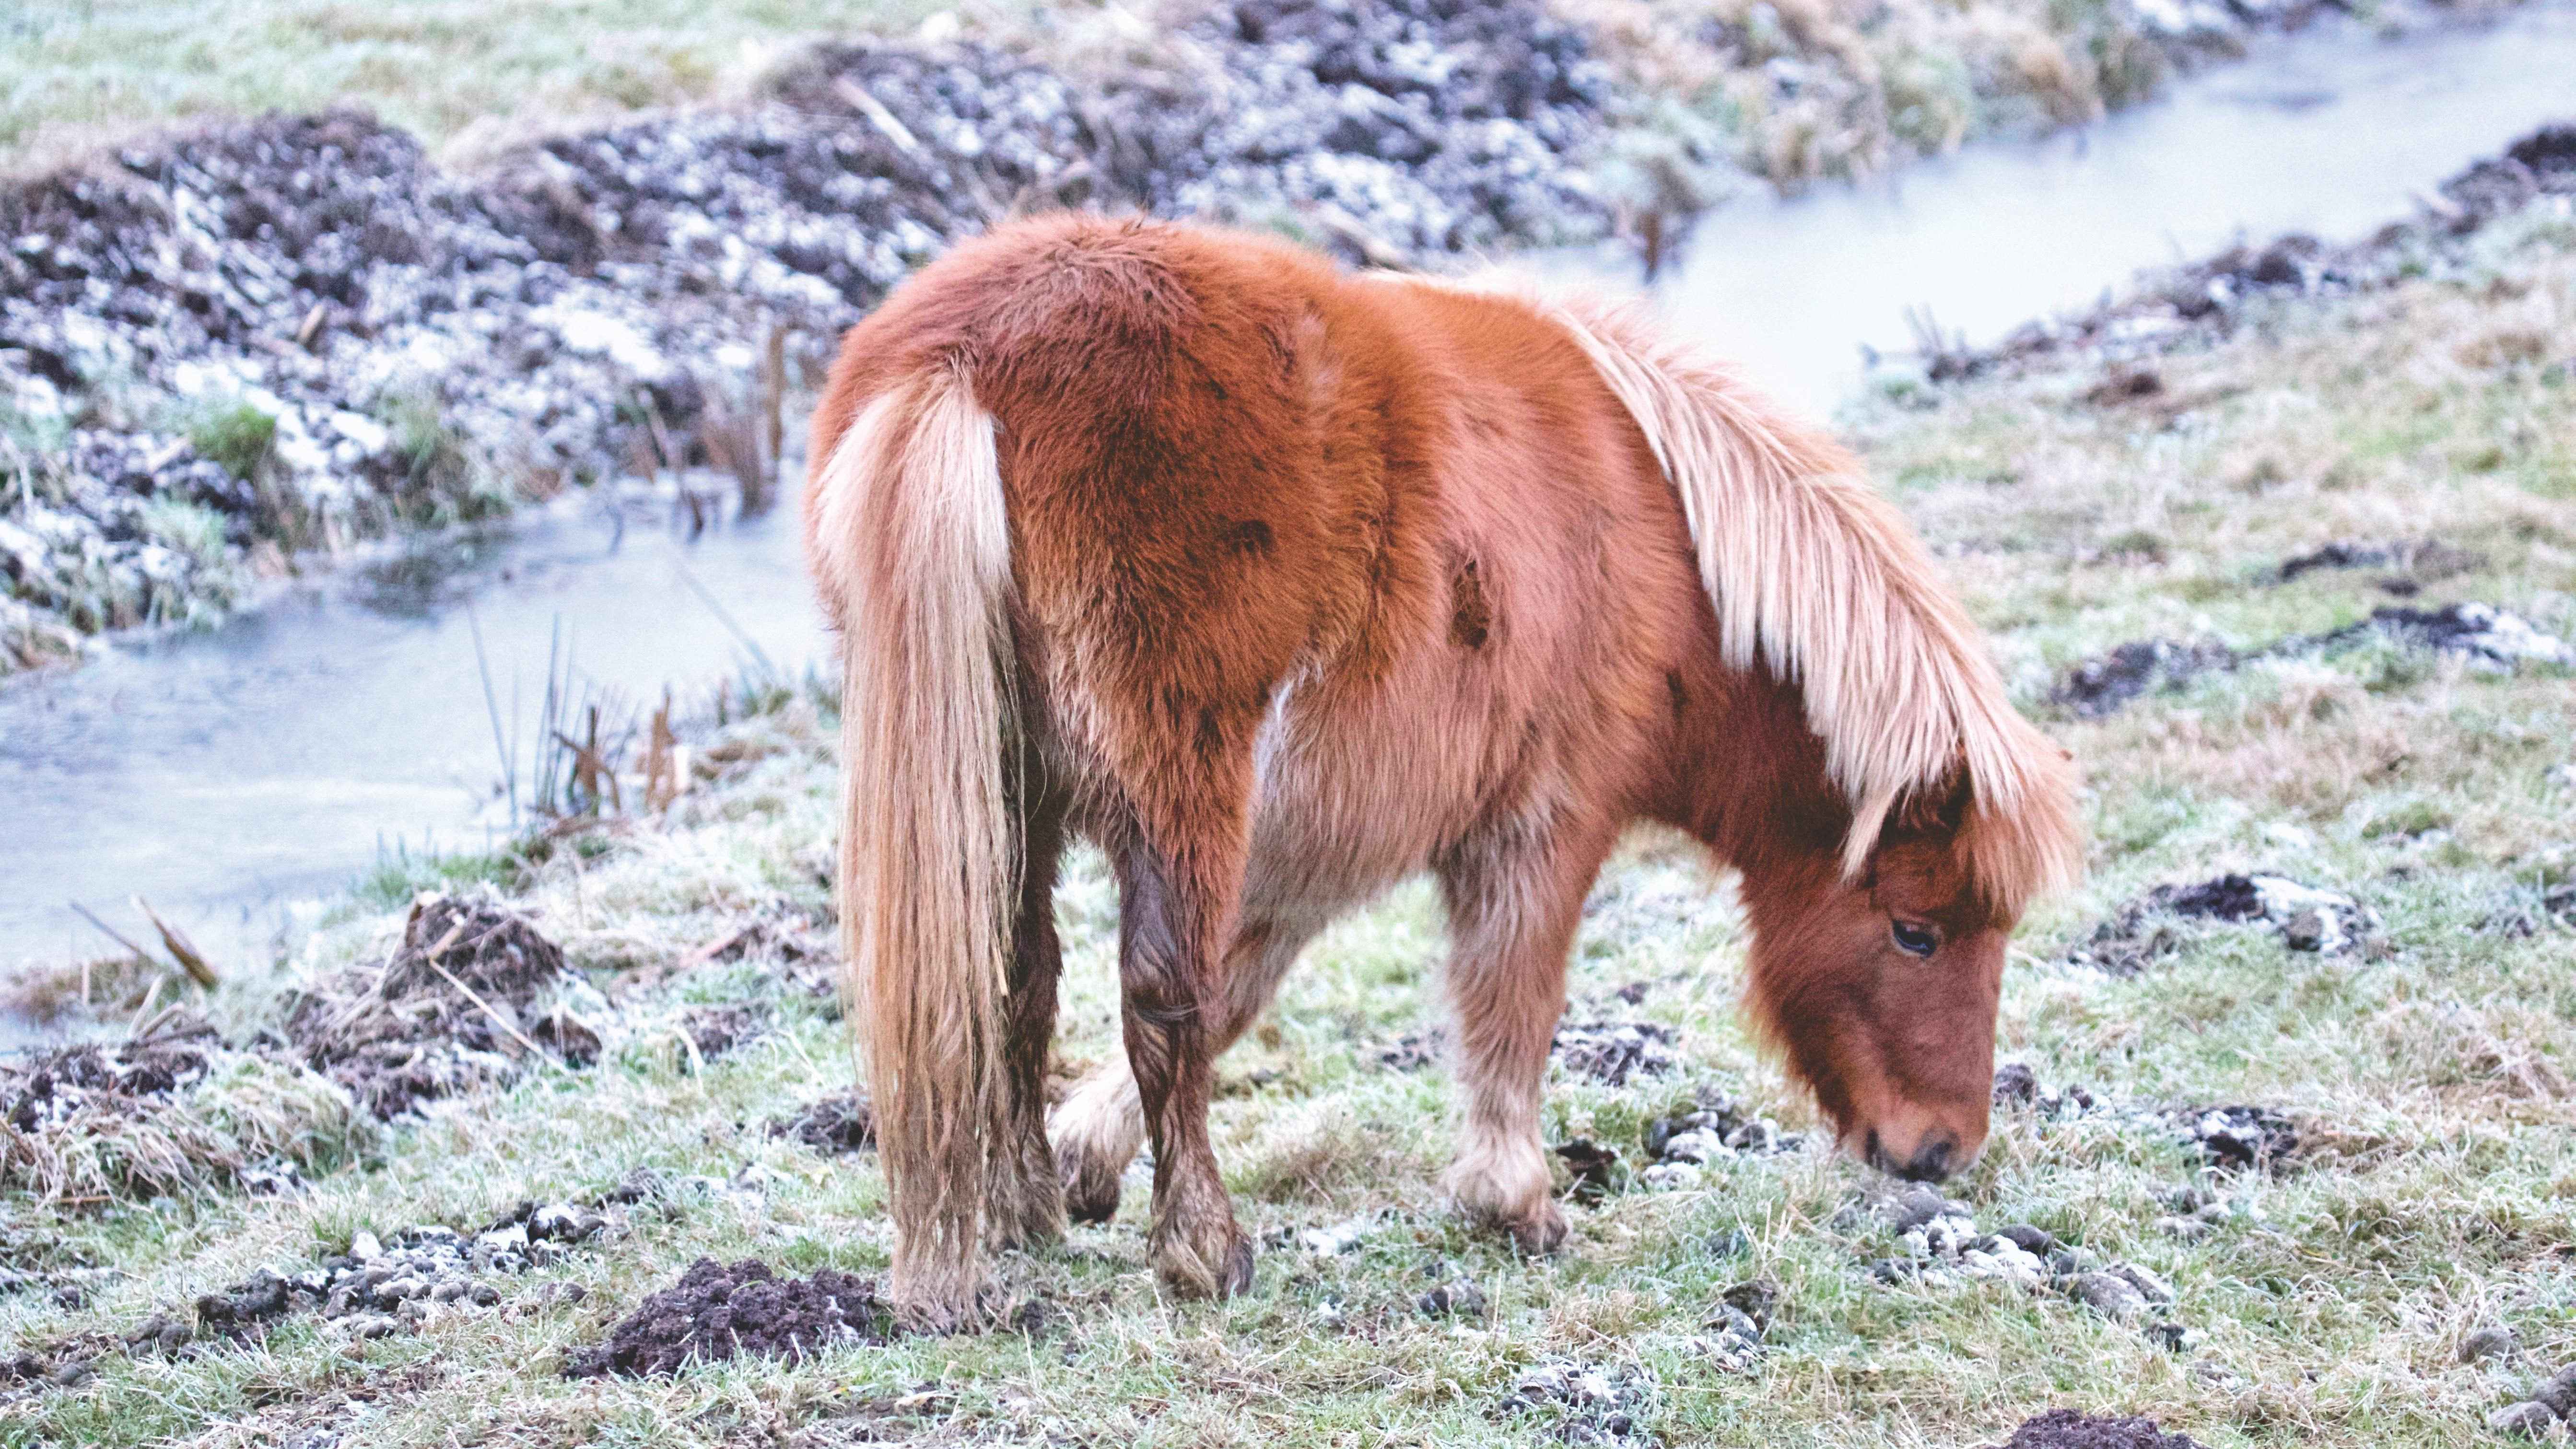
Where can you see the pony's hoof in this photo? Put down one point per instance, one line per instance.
(1222, 1273)
(1090, 1197)
(1539, 1234)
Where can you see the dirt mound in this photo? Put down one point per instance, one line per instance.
(2068, 1429)
(168, 1110)
(449, 1011)
(718, 1310)
(2099, 686)
(843, 1122)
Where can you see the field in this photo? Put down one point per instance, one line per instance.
(2414, 1190)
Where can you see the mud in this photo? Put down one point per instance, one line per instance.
(336, 337)
(449, 1011)
(842, 1123)
(2069, 1429)
(719, 1310)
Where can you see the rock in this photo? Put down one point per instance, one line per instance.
(1334, 1241)
(2489, 1341)
(2151, 1287)
(2529, 1420)
(2108, 1294)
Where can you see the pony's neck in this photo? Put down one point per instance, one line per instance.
(1746, 776)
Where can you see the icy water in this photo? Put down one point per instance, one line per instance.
(2332, 132)
(224, 775)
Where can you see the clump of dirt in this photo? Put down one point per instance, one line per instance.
(2489, 638)
(2097, 687)
(1414, 1051)
(841, 1123)
(2148, 928)
(449, 1011)
(2418, 562)
(718, 1310)
(716, 1031)
(1611, 1052)
(1708, 1128)
(1575, 1402)
(1593, 1168)
(2550, 1402)
(2240, 1137)
(2069, 1429)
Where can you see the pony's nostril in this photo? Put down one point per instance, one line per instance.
(1931, 1161)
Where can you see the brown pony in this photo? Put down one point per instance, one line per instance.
(1282, 584)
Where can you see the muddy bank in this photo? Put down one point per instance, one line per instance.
(292, 332)
(2209, 298)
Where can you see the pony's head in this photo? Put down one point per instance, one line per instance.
(1879, 984)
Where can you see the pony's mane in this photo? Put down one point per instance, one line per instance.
(1819, 578)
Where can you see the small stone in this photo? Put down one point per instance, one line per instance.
(2313, 929)
(2529, 1419)
(2038, 1242)
(1695, 1147)
(1673, 1177)
(483, 1295)
(2110, 1295)
(2491, 1341)
(364, 1248)
(1461, 1299)
(2558, 1391)
(370, 1325)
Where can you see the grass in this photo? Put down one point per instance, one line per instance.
(74, 73)
(2429, 1080)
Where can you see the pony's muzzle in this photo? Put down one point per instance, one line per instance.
(1934, 1158)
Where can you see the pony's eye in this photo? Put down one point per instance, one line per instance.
(1912, 939)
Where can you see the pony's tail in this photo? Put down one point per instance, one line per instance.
(1820, 580)
(911, 545)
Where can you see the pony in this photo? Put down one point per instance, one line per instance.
(1281, 584)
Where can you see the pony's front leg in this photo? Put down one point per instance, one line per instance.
(1173, 909)
(1515, 898)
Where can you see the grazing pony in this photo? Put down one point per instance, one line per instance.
(1282, 584)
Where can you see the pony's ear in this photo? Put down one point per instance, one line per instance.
(1938, 812)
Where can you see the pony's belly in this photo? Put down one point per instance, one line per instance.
(1350, 801)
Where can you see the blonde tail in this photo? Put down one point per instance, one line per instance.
(911, 546)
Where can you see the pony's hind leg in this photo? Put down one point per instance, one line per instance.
(1176, 907)
(1102, 1122)
(1023, 1201)
(1515, 897)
